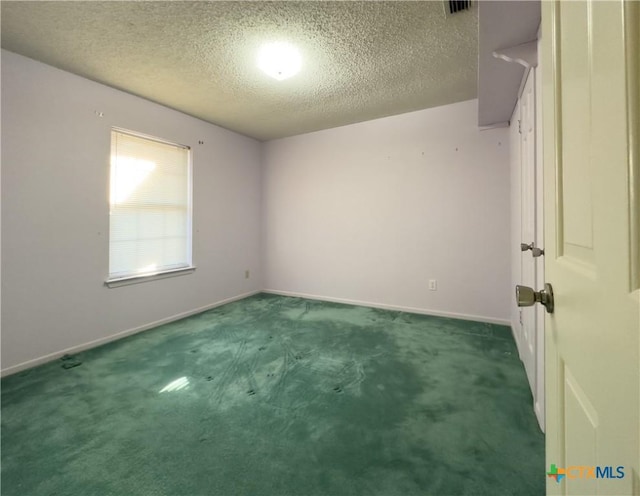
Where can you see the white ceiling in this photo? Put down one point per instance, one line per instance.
(361, 60)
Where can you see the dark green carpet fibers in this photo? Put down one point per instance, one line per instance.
(279, 396)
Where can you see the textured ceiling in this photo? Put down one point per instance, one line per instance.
(361, 60)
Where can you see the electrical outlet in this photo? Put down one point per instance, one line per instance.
(247, 274)
(433, 285)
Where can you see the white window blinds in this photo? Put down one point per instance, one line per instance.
(150, 206)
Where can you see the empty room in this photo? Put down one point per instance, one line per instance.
(320, 248)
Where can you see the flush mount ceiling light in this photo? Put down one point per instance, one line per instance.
(279, 60)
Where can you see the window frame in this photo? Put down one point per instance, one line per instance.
(114, 282)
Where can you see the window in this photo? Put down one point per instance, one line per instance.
(150, 207)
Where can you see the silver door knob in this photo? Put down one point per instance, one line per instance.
(526, 297)
(535, 251)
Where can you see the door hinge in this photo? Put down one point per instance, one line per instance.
(519, 126)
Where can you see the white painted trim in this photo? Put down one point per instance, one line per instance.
(537, 407)
(516, 338)
(129, 280)
(422, 311)
(123, 334)
(539, 415)
(525, 54)
(523, 81)
(497, 125)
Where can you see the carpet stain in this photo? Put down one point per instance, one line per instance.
(280, 396)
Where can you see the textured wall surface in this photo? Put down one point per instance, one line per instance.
(55, 212)
(361, 60)
(370, 212)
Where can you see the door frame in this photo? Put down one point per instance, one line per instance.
(537, 383)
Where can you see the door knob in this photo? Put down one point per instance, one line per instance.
(525, 246)
(526, 297)
(535, 251)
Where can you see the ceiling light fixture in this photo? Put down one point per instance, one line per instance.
(279, 60)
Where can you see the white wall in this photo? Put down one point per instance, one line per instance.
(55, 217)
(370, 212)
(364, 213)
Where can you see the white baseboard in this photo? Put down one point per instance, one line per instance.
(516, 338)
(423, 311)
(98, 342)
(92, 344)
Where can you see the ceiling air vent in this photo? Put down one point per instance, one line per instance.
(455, 6)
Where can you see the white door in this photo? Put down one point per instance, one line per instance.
(527, 130)
(592, 254)
(531, 333)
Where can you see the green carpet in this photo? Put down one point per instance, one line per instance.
(279, 396)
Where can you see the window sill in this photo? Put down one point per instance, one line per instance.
(127, 281)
